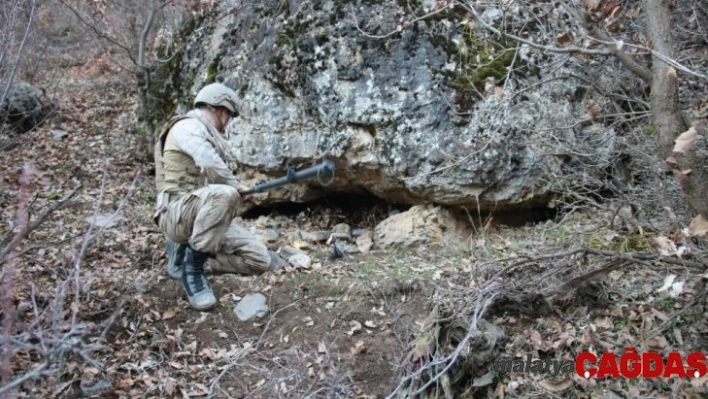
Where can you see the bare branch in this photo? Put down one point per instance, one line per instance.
(569, 49)
(98, 32)
(37, 222)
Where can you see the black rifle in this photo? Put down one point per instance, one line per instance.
(326, 168)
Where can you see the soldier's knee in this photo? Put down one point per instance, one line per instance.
(260, 257)
(225, 194)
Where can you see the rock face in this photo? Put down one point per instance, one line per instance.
(24, 107)
(389, 111)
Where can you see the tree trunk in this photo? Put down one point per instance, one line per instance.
(147, 131)
(689, 166)
(666, 114)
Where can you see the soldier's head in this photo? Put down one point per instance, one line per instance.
(220, 100)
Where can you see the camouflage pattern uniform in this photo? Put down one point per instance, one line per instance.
(196, 203)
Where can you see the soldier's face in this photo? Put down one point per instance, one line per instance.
(224, 118)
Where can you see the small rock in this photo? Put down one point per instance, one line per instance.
(343, 231)
(301, 244)
(286, 252)
(267, 236)
(349, 249)
(357, 232)
(294, 235)
(276, 262)
(316, 236)
(58, 134)
(266, 222)
(251, 306)
(300, 261)
(365, 241)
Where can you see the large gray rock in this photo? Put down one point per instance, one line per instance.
(24, 107)
(386, 111)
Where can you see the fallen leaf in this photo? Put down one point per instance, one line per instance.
(658, 342)
(556, 386)
(668, 281)
(671, 73)
(619, 44)
(590, 4)
(676, 289)
(536, 340)
(321, 348)
(358, 348)
(659, 314)
(370, 324)
(565, 38)
(666, 246)
(686, 140)
(356, 326)
(698, 227)
(604, 323)
(168, 315)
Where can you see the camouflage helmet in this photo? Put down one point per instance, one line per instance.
(218, 95)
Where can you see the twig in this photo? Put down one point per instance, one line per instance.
(569, 49)
(38, 221)
(34, 374)
(7, 277)
(272, 317)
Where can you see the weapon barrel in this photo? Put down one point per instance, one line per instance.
(294, 176)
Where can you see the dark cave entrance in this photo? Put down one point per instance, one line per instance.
(357, 209)
(364, 210)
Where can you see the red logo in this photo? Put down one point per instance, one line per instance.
(646, 365)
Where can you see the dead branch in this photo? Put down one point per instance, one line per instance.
(7, 277)
(55, 330)
(560, 50)
(30, 227)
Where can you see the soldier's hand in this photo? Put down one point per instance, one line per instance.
(242, 189)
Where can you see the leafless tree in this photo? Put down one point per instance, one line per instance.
(141, 32)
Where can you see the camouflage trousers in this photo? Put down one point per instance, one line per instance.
(204, 219)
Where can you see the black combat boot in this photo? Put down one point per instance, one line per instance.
(196, 286)
(175, 259)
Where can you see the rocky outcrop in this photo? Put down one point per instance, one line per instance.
(399, 111)
(24, 107)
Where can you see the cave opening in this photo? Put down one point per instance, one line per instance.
(364, 210)
(357, 209)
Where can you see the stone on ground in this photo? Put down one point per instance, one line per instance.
(300, 261)
(251, 306)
